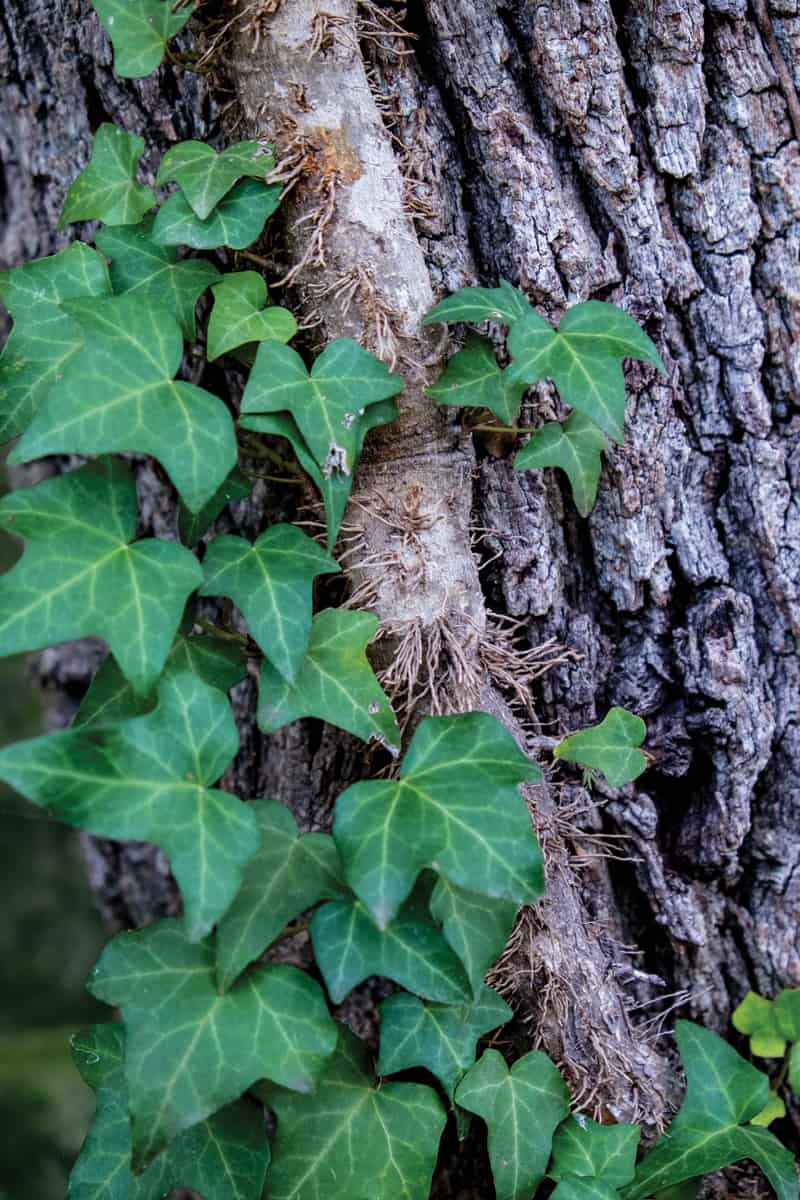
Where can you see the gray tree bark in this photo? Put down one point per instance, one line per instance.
(643, 152)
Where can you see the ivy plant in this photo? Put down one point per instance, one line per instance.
(425, 867)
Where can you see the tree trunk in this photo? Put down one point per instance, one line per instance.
(643, 152)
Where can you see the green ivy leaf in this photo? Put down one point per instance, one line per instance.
(118, 394)
(575, 447)
(236, 222)
(476, 927)
(455, 807)
(440, 1037)
(139, 31)
(773, 1110)
(583, 358)
(504, 304)
(575, 1187)
(226, 1156)
(192, 526)
(239, 315)
(189, 1050)
(603, 1152)
(793, 1077)
(205, 177)
(334, 488)
(44, 338)
(327, 402)
(522, 1108)
(271, 582)
(106, 189)
(153, 273)
(287, 875)
(610, 747)
(335, 682)
(111, 698)
(147, 779)
(770, 1024)
(82, 576)
(708, 1133)
(353, 1134)
(411, 951)
(472, 379)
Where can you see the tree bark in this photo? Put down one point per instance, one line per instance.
(643, 152)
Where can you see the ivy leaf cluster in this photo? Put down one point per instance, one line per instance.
(773, 1029)
(583, 357)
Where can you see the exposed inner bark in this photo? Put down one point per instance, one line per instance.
(643, 152)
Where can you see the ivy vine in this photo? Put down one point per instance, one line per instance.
(422, 874)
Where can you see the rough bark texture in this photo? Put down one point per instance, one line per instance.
(644, 152)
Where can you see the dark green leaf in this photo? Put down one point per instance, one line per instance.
(189, 1050)
(521, 1108)
(106, 189)
(335, 682)
(118, 394)
(411, 951)
(574, 446)
(326, 403)
(148, 779)
(476, 927)
(139, 31)
(192, 526)
(504, 304)
(605, 1152)
(286, 876)
(575, 1187)
(455, 807)
(239, 315)
(353, 1135)
(439, 1037)
(205, 177)
(81, 576)
(610, 747)
(44, 338)
(225, 1157)
(153, 273)
(583, 358)
(709, 1131)
(271, 582)
(472, 379)
(236, 222)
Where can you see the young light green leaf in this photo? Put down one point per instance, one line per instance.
(472, 379)
(82, 576)
(205, 177)
(411, 951)
(335, 682)
(773, 1110)
(111, 698)
(118, 394)
(236, 222)
(139, 31)
(709, 1131)
(522, 1108)
(770, 1024)
(603, 1152)
(610, 747)
(192, 526)
(288, 874)
(44, 338)
(189, 1050)
(239, 315)
(148, 779)
(226, 1156)
(476, 927)
(575, 447)
(504, 304)
(326, 403)
(440, 1037)
(353, 1134)
(153, 273)
(106, 189)
(334, 488)
(270, 581)
(455, 807)
(583, 358)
